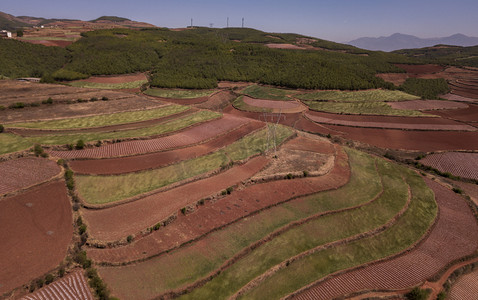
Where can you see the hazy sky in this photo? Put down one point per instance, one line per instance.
(337, 20)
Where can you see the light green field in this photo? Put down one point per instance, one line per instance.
(12, 143)
(186, 265)
(105, 120)
(106, 189)
(108, 86)
(178, 94)
(241, 105)
(358, 96)
(309, 235)
(408, 229)
(262, 92)
(365, 108)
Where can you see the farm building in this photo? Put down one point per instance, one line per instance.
(5, 33)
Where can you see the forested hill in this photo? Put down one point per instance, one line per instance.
(200, 57)
(445, 55)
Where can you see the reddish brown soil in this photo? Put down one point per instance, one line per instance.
(270, 103)
(156, 160)
(199, 133)
(457, 163)
(284, 46)
(234, 207)
(114, 223)
(455, 235)
(72, 286)
(288, 120)
(465, 288)
(421, 69)
(395, 78)
(126, 126)
(117, 79)
(469, 114)
(431, 125)
(218, 101)
(42, 218)
(427, 105)
(470, 189)
(21, 173)
(454, 97)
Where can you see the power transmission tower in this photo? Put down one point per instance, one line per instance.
(242, 22)
(191, 22)
(227, 24)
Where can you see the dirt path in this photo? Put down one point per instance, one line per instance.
(113, 166)
(42, 218)
(454, 235)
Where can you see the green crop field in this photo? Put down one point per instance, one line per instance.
(365, 108)
(241, 105)
(186, 265)
(105, 189)
(105, 120)
(178, 94)
(108, 86)
(270, 93)
(358, 96)
(12, 143)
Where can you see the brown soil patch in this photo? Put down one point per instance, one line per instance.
(284, 46)
(24, 172)
(213, 216)
(470, 189)
(420, 69)
(114, 223)
(454, 235)
(427, 105)
(71, 286)
(395, 78)
(117, 78)
(454, 97)
(189, 136)
(457, 163)
(469, 114)
(42, 218)
(218, 101)
(270, 103)
(157, 160)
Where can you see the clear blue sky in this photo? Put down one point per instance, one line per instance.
(337, 20)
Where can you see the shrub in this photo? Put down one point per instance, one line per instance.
(16, 105)
(129, 239)
(38, 150)
(91, 272)
(61, 162)
(441, 296)
(40, 282)
(306, 173)
(79, 221)
(81, 259)
(183, 210)
(82, 229)
(34, 104)
(44, 155)
(93, 99)
(104, 98)
(229, 190)
(49, 278)
(68, 75)
(157, 226)
(61, 272)
(2, 128)
(70, 146)
(457, 190)
(80, 144)
(47, 101)
(201, 202)
(289, 176)
(2, 107)
(98, 143)
(417, 294)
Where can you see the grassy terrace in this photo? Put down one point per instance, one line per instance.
(241, 105)
(270, 93)
(189, 264)
(178, 94)
(105, 189)
(358, 108)
(358, 96)
(108, 86)
(11, 143)
(400, 236)
(106, 120)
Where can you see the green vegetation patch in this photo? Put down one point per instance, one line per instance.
(105, 189)
(425, 88)
(408, 229)
(358, 108)
(241, 105)
(187, 265)
(178, 94)
(106, 120)
(108, 86)
(12, 143)
(358, 96)
(270, 93)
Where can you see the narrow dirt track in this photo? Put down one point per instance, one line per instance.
(42, 218)
(189, 136)
(114, 166)
(117, 222)
(455, 235)
(225, 211)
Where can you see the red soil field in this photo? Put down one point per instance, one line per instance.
(218, 101)
(465, 288)
(454, 97)
(455, 235)
(157, 160)
(270, 103)
(117, 222)
(470, 189)
(420, 69)
(401, 126)
(71, 286)
(189, 136)
(42, 218)
(427, 105)
(232, 208)
(24, 172)
(468, 115)
(395, 78)
(117, 78)
(457, 163)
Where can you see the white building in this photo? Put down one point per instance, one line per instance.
(5, 33)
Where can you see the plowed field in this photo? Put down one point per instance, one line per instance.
(455, 235)
(35, 230)
(469, 115)
(271, 103)
(457, 163)
(189, 136)
(465, 288)
(24, 172)
(72, 286)
(427, 105)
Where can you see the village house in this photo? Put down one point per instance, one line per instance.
(5, 34)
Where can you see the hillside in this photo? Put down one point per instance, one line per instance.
(9, 22)
(445, 55)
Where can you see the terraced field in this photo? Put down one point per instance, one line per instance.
(456, 163)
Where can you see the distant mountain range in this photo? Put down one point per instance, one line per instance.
(399, 41)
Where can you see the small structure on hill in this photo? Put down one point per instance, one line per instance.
(5, 34)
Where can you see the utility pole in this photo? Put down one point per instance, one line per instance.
(227, 26)
(242, 22)
(191, 22)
